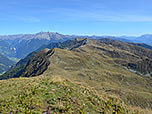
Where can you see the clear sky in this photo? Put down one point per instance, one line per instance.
(79, 17)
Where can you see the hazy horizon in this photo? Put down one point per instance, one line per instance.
(78, 34)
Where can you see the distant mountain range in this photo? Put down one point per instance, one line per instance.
(146, 38)
(19, 46)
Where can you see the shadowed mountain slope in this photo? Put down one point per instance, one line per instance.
(34, 64)
(141, 45)
(5, 63)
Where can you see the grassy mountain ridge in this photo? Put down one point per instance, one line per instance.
(102, 74)
(69, 44)
(99, 64)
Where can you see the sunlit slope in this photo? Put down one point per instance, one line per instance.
(45, 95)
(102, 73)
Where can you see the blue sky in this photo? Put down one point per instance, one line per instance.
(79, 17)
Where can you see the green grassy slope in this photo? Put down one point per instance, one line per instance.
(103, 74)
(45, 95)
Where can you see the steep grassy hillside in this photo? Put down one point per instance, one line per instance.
(133, 57)
(45, 95)
(103, 65)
